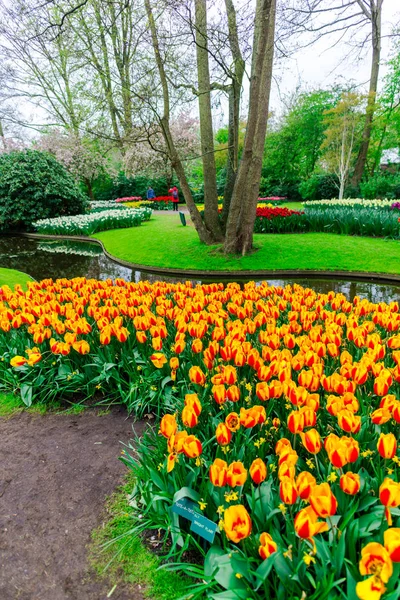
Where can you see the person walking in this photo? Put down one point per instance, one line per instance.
(175, 197)
(150, 193)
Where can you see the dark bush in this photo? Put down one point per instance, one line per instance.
(320, 187)
(34, 185)
(381, 185)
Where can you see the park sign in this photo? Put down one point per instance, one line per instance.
(188, 509)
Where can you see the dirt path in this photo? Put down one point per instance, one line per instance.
(55, 471)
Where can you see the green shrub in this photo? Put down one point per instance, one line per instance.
(34, 185)
(318, 187)
(380, 185)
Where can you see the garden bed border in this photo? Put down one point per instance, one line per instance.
(367, 276)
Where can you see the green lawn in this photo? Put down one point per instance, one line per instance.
(293, 205)
(164, 242)
(11, 277)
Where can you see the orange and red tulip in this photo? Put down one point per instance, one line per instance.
(258, 471)
(237, 523)
(218, 472)
(350, 483)
(267, 546)
(323, 501)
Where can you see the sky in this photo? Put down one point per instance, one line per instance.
(317, 66)
(320, 66)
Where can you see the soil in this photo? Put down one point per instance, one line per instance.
(55, 473)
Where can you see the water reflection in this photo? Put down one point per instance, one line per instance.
(47, 258)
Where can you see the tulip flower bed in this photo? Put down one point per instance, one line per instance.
(129, 199)
(372, 218)
(279, 416)
(93, 222)
(276, 220)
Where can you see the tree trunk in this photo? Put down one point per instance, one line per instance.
(211, 217)
(2, 138)
(240, 225)
(204, 234)
(88, 183)
(234, 110)
(376, 18)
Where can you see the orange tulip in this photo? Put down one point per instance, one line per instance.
(223, 434)
(193, 401)
(18, 361)
(237, 523)
(387, 445)
(295, 421)
(267, 546)
(218, 472)
(323, 501)
(389, 495)
(197, 376)
(306, 523)
(287, 490)
(381, 416)
(192, 446)
(174, 363)
(236, 474)
(381, 385)
(348, 421)
(168, 426)
(121, 333)
(233, 393)
(252, 416)
(232, 421)
(258, 471)
(197, 346)
(229, 374)
(175, 441)
(189, 417)
(158, 359)
(375, 560)
(305, 482)
(392, 543)
(286, 469)
(282, 444)
(262, 391)
(219, 393)
(81, 346)
(141, 337)
(171, 460)
(350, 483)
(370, 589)
(311, 441)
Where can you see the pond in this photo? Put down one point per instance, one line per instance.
(44, 259)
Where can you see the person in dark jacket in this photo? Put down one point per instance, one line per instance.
(150, 193)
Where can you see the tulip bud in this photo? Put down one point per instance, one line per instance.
(218, 472)
(267, 546)
(223, 434)
(350, 483)
(387, 445)
(258, 471)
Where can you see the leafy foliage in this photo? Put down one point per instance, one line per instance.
(33, 185)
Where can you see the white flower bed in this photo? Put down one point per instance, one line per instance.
(106, 205)
(350, 202)
(93, 222)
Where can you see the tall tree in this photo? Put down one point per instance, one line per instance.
(211, 217)
(343, 136)
(242, 214)
(358, 21)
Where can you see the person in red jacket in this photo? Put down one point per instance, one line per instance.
(175, 197)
